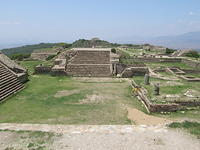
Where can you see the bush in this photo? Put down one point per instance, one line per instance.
(169, 51)
(50, 57)
(19, 57)
(192, 127)
(113, 50)
(194, 54)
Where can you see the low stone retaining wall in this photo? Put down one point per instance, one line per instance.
(88, 70)
(58, 73)
(155, 107)
(23, 77)
(192, 63)
(134, 71)
(42, 70)
(121, 67)
(174, 60)
(190, 71)
(188, 103)
(164, 107)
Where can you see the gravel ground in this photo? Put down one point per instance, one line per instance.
(112, 137)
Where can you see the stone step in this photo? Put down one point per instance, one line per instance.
(8, 80)
(9, 84)
(10, 92)
(4, 73)
(2, 92)
(9, 76)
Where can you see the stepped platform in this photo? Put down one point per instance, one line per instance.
(9, 82)
(90, 62)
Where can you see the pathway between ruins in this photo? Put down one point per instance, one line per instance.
(114, 137)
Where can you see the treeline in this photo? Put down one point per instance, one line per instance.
(28, 49)
(94, 42)
(25, 51)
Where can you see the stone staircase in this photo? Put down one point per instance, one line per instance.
(9, 84)
(90, 63)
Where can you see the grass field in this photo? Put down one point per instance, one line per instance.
(168, 64)
(172, 87)
(192, 127)
(178, 87)
(65, 100)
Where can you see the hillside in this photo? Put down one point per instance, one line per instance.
(28, 49)
(93, 42)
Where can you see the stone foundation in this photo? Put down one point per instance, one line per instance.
(81, 70)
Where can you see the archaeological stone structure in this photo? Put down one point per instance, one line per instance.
(12, 77)
(43, 55)
(92, 62)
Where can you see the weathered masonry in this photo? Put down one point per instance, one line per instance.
(12, 77)
(84, 62)
(90, 62)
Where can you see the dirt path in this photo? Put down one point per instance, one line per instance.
(112, 137)
(140, 118)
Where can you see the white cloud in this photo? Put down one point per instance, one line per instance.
(10, 23)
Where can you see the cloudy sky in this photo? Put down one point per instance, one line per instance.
(68, 20)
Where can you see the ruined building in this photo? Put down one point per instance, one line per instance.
(12, 77)
(91, 62)
(84, 62)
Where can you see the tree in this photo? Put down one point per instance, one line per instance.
(194, 54)
(169, 51)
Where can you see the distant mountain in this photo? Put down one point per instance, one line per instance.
(185, 41)
(189, 40)
(28, 49)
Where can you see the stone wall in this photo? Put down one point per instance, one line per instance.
(42, 70)
(154, 59)
(192, 63)
(188, 103)
(164, 107)
(59, 72)
(91, 57)
(121, 67)
(190, 71)
(90, 63)
(151, 107)
(89, 70)
(23, 77)
(134, 71)
(41, 56)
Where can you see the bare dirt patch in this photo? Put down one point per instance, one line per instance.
(65, 93)
(89, 79)
(112, 137)
(140, 118)
(94, 98)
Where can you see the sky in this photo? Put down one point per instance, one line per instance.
(68, 20)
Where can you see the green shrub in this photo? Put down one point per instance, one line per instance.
(194, 54)
(19, 57)
(169, 51)
(113, 50)
(50, 57)
(192, 127)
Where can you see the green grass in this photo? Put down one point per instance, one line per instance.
(168, 64)
(192, 127)
(181, 88)
(36, 140)
(37, 102)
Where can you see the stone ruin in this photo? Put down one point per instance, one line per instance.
(43, 55)
(12, 76)
(91, 62)
(84, 62)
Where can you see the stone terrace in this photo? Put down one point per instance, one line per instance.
(90, 62)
